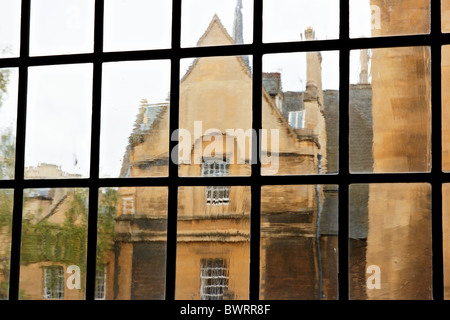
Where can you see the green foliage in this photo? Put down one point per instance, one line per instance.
(108, 201)
(4, 81)
(66, 243)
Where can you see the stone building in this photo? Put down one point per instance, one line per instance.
(213, 235)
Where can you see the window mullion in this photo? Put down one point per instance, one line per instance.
(173, 167)
(436, 151)
(95, 149)
(20, 151)
(344, 72)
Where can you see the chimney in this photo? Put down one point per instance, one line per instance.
(313, 71)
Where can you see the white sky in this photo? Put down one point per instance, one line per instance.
(60, 98)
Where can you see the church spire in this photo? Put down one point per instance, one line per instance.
(238, 26)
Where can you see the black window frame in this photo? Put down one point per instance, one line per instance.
(435, 39)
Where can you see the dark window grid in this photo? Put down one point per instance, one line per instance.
(435, 40)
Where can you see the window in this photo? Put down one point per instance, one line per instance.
(297, 119)
(128, 205)
(54, 282)
(216, 195)
(100, 284)
(215, 168)
(214, 279)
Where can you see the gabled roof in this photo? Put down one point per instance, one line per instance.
(214, 22)
(214, 25)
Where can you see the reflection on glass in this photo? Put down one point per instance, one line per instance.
(10, 28)
(216, 22)
(299, 242)
(54, 241)
(6, 210)
(300, 112)
(390, 249)
(445, 15)
(8, 115)
(61, 27)
(213, 243)
(58, 121)
(390, 110)
(445, 80)
(216, 117)
(376, 18)
(131, 243)
(285, 20)
(137, 24)
(135, 119)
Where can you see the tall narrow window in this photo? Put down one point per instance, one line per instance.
(54, 282)
(214, 279)
(100, 284)
(216, 195)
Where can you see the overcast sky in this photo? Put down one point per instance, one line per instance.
(60, 96)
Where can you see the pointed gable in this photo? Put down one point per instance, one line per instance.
(215, 34)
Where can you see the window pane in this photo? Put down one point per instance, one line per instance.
(54, 241)
(135, 119)
(131, 243)
(445, 15)
(6, 210)
(137, 24)
(445, 74)
(213, 244)
(300, 113)
(10, 28)
(9, 79)
(376, 18)
(61, 27)
(216, 22)
(58, 121)
(299, 242)
(216, 115)
(390, 246)
(285, 20)
(390, 110)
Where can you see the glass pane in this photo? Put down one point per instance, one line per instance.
(216, 22)
(131, 243)
(213, 243)
(390, 110)
(9, 79)
(54, 244)
(135, 119)
(10, 28)
(300, 113)
(390, 246)
(285, 20)
(58, 121)
(61, 27)
(6, 211)
(445, 15)
(376, 18)
(445, 74)
(137, 24)
(299, 242)
(216, 117)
